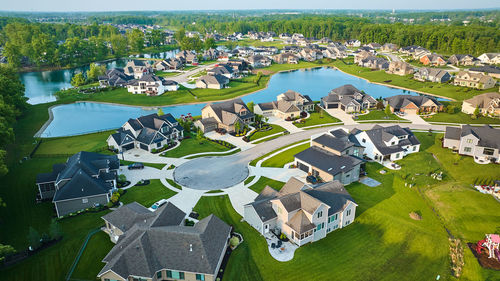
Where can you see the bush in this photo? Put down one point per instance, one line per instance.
(121, 191)
(122, 178)
(282, 236)
(234, 241)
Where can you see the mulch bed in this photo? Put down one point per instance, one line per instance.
(483, 259)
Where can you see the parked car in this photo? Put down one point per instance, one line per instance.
(311, 179)
(158, 204)
(136, 166)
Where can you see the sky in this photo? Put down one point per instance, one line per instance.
(170, 5)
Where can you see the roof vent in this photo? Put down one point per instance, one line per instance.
(329, 169)
(342, 167)
(190, 247)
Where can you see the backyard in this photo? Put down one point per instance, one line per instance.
(72, 145)
(461, 118)
(147, 195)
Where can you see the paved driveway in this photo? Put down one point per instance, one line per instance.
(285, 124)
(182, 78)
(415, 119)
(342, 115)
(237, 141)
(135, 176)
(140, 155)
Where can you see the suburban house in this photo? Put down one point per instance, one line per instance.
(387, 143)
(474, 80)
(375, 46)
(168, 64)
(309, 54)
(290, 49)
(466, 60)
(488, 104)
(157, 247)
(121, 220)
(491, 70)
(414, 51)
(490, 58)
(86, 180)
(137, 68)
(374, 63)
(188, 57)
(237, 65)
(413, 104)
(146, 132)
(151, 85)
(303, 213)
(303, 102)
(289, 105)
(432, 59)
(361, 55)
(482, 143)
(353, 43)
(211, 54)
(115, 77)
(335, 52)
(224, 115)
(400, 68)
(257, 61)
(223, 70)
(334, 155)
(348, 98)
(286, 58)
(216, 81)
(389, 47)
(432, 74)
(266, 50)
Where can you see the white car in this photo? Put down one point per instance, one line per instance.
(158, 204)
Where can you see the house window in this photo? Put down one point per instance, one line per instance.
(363, 140)
(175, 274)
(488, 151)
(469, 140)
(393, 143)
(348, 213)
(397, 155)
(85, 200)
(320, 214)
(158, 274)
(318, 228)
(414, 148)
(200, 277)
(467, 149)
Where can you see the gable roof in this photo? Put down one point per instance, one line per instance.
(328, 162)
(400, 101)
(300, 222)
(333, 194)
(379, 135)
(228, 111)
(487, 135)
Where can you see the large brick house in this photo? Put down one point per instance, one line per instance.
(413, 104)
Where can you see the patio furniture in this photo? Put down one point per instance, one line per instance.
(279, 243)
(273, 245)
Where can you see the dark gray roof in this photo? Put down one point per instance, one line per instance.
(82, 185)
(400, 101)
(487, 69)
(487, 135)
(328, 162)
(452, 133)
(50, 177)
(346, 90)
(379, 134)
(145, 250)
(336, 143)
(333, 194)
(123, 137)
(89, 162)
(168, 214)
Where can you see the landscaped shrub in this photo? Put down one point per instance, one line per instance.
(122, 178)
(234, 241)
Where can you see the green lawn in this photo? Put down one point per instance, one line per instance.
(192, 146)
(249, 179)
(263, 181)
(461, 118)
(166, 74)
(284, 157)
(378, 115)
(216, 154)
(148, 194)
(72, 145)
(445, 89)
(275, 67)
(173, 183)
(90, 262)
(260, 134)
(254, 162)
(317, 118)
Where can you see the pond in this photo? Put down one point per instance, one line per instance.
(40, 86)
(86, 117)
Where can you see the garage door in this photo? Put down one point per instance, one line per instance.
(303, 167)
(333, 105)
(145, 147)
(128, 146)
(411, 111)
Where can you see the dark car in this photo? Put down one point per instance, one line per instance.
(136, 166)
(311, 179)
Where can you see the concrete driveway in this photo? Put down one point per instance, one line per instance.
(285, 124)
(140, 155)
(183, 77)
(415, 119)
(342, 115)
(134, 176)
(237, 141)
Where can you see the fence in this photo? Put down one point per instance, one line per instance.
(80, 252)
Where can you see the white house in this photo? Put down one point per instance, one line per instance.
(151, 85)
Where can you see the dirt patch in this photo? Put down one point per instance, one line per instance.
(264, 71)
(483, 259)
(415, 216)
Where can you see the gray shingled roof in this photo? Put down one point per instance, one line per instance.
(488, 136)
(332, 142)
(378, 133)
(452, 133)
(82, 185)
(328, 162)
(333, 194)
(145, 250)
(400, 101)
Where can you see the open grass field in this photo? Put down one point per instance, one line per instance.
(317, 118)
(192, 146)
(148, 194)
(284, 157)
(263, 181)
(275, 67)
(71, 145)
(260, 134)
(461, 118)
(444, 90)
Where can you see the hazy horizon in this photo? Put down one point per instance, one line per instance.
(198, 5)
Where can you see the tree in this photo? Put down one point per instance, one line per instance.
(477, 112)
(55, 230)
(250, 106)
(180, 35)
(78, 80)
(122, 178)
(95, 71)
(34, 238)
(387, 110)
(5, 250)
(237, 127)
(118, 45)
(136, 40)
(450, 109)
(199, 135)
(156, 37)
(160, 112)
(209, 43)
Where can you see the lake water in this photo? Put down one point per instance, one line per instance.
(40, 86)
(86, 117)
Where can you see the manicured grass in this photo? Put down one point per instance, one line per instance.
(284, 157)
(445, 89)
(461, 118)
(275, 67)
(216, 154)
(260, 134)
(72, 145)
(148, 194)
(249, 179)
(378, 115)
(158, 166)
(263, 181)
(192, 146)
(317, 118)
(254, 162)
(235, 89)
(90, 262)
(173, 183)
(249, 42)
(166, 74)
(267, 139)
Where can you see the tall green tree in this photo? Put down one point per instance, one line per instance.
(95, 71)
(387, 110)
(78, 80)
(118, 45)
(209, 44)
(34, 238)
(136, 40)
(55, 230)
